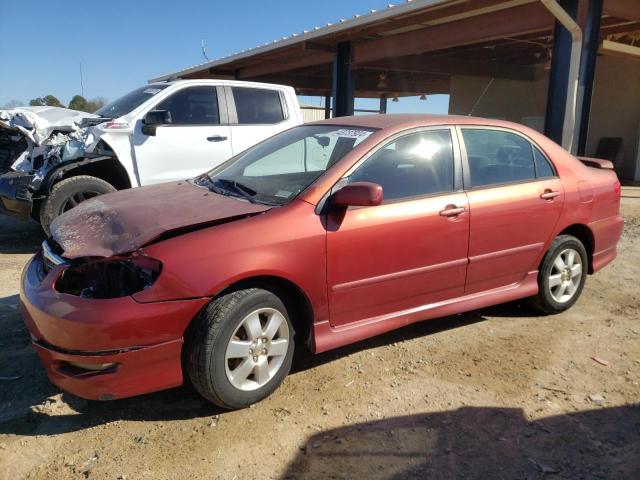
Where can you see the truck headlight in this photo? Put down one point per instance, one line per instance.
(110, 278)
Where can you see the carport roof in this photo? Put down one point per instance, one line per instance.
(415, 47)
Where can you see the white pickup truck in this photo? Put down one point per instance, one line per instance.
(157, 133)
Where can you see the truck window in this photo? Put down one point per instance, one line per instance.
(192, 106)
(258, 106)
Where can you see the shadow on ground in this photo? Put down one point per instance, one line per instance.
(478, 443)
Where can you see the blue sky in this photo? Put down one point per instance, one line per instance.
(122, 44)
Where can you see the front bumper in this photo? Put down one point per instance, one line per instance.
(15, 197)
(143, 340)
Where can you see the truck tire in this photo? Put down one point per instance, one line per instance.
(240, 348)
(68, 193)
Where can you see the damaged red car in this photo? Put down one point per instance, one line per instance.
(327, 233)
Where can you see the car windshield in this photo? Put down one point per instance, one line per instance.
(131, 100)
(278, 169)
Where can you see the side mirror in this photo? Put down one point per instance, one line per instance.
(154, 119)
(358, 194)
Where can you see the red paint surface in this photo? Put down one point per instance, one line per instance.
(364, 271)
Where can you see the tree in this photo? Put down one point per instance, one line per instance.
(52, 101)
(48, 100)
(12, 104)
(78, 102)
(95, 104)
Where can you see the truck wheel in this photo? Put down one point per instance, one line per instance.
(562, 275)
(68, 193)
(240, 348)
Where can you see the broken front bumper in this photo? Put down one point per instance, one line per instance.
(15, 196)
(103, 349)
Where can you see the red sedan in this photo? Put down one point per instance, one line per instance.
(333, 232)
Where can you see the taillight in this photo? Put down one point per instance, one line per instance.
(110, 278)
(617, 188)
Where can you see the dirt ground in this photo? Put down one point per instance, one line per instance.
(496, 393)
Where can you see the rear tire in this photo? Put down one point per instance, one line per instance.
(240, 348)
(68, 193)
(562, 275)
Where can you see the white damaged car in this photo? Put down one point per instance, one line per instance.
(53, 158)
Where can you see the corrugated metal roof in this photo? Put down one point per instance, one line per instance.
(317, 32)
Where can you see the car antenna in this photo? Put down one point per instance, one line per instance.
(204, 51)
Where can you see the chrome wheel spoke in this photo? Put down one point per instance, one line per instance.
(559, 263)
(273, 325)
(571, 255)
(238, 349)
(239, 374)
(555, 280)
(253, 326)
(571, 288)
(262, 371)
(278, 348)
(576, 270)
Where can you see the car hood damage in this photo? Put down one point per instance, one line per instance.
(33, 139)
(125, 221)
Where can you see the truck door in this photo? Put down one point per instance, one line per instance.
(194, 142)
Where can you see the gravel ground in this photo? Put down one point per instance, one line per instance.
(496, 393)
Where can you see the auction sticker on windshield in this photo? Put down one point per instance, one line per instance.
(349, 133)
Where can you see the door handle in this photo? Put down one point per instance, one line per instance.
(451, 211)
(217, 138)
(549, 195)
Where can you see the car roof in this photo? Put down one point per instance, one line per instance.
(404, 121)
(204, 81)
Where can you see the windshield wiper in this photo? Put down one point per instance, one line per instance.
(246, 192)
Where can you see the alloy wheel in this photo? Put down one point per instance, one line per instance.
(257, 349)
(566, 275)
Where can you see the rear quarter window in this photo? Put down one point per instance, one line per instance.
(258, 106)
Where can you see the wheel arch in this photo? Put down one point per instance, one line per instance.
(585, 235)
(106, 168)
(291, 294)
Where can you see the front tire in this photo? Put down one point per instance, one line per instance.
(68, 193)
(562, 275)
(240, 348)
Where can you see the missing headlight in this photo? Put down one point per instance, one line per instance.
(110, 278)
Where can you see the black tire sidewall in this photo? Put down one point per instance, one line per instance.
(223, 389)
(61, 192)
(546, 301)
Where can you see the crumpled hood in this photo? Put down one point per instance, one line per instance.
(124, 221)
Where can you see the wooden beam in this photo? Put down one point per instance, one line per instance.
(627, 9)
(520, 20)
(608, 47)
(319, 46)
(277, 66)
(454, 65)
(401, 85)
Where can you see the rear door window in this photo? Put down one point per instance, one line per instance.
(258, 106)
(192, 106)
(497, 157)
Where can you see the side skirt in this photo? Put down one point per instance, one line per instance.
(327, 337)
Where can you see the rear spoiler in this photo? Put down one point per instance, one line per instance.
(596, 163)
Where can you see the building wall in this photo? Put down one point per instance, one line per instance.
(513, 100)
(615, 109)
